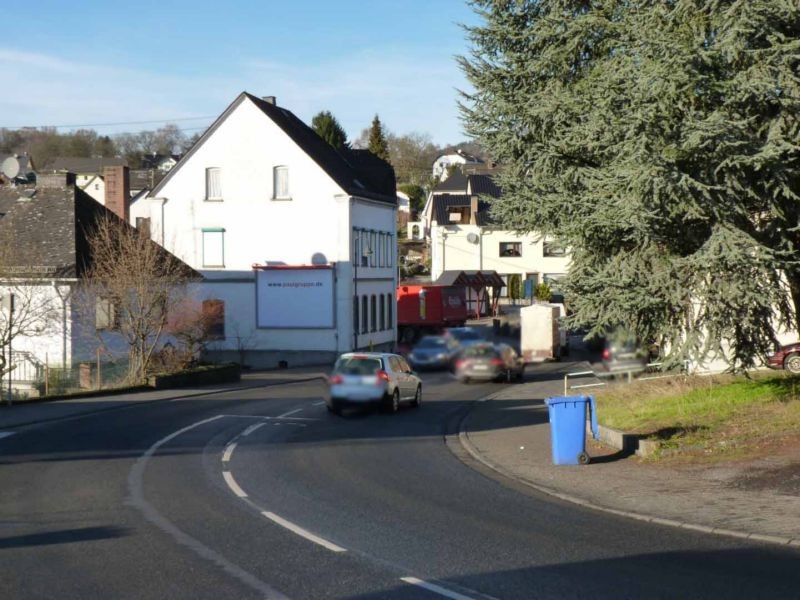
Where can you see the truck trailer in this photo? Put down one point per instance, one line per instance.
(427, 309)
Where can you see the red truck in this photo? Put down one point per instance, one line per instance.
(425, 309)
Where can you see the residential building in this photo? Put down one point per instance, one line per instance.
(58, 324)
(444, 163)
(163, 163)
(463, 236)
(296, 240)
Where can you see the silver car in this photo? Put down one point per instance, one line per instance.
(364, 378)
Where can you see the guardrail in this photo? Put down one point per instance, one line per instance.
(629, 376)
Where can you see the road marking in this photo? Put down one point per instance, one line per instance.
(5, 434)
(226, 457)
(291, 412)
(302, 532)
(263, 418)
(233, 485)
(252, 428)
(437, 589)
(318, 403)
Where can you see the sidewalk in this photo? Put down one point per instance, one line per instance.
(757, 499)
(22, 414)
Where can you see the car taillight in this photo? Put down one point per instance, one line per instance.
(336, 379)
(381, 376)
(497, 362)
(606, 354)
(460, 363)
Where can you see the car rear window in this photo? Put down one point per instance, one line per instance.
(480, 352)
(358, 366)
(432, 342)
(466, 335)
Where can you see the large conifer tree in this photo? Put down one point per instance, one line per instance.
(659, 140)
(329, 129)
(377, 140)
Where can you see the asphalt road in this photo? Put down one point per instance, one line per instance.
(156, 501)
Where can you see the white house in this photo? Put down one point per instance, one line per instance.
(463, 238)
(296, 240)
(459, 158)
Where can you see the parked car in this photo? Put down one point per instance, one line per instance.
(485, 361)
(464, 335)
(372, 378)
(434, 352)
(786, 357)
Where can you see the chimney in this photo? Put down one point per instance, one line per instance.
(118, 191)
(269, 99)
(473, 210)
(56, 179)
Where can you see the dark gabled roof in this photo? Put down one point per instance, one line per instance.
(355, 173)
(457, 182)
(473, 279)
(49, 228)
(442, 202)
(85, 166)
(483, 185)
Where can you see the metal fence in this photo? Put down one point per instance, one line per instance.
(651, 371)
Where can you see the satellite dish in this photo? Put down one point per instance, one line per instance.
(472, 238)
(10, 167)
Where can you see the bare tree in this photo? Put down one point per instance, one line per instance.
(194, 324)
(135, 284)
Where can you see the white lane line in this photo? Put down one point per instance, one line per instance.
(263, 418)
(252, 428)
(233, 485)
(302, 532)
(291, 412)
(318, 403)
(5, 434)
(437, 589)
(226, 457)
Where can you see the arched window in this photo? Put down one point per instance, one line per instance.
(383, 312)
(355, 314)
(389, 310)
(373, 314)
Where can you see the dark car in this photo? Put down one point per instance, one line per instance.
(624, 355)
(433, 352)
(786, 357)
(485, 361)
(464, 335)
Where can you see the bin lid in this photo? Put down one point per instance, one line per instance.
(565, 399)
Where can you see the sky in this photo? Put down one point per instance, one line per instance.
(93, 63)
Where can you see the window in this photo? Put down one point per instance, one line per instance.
(214, 184)
(355, 314)
(381, 252)
(553, 280)
(213, 247)
(214, 319)
(383, 312)
(364, 315)
(389, 324)
(553, 248)
(389, 250)
(373, 313)
(510, 248)
(363, 249)
(373, 246)
(280, 183)
(143, 225)
(105, 315)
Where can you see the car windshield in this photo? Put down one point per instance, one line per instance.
(432, 342)
(480, 352)
(358, 365)
(465, 334)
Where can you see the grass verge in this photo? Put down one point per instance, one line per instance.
(715, 417)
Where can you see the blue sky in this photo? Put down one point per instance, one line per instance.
(100, 62)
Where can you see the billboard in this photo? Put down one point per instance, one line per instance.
(295, 297)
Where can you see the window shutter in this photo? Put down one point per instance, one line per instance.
(281, 182)
(213, 183)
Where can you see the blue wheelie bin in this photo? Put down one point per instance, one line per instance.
(568, 428)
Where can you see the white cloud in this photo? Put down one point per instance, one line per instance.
(410, 92)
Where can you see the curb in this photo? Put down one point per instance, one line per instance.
(155, 400)
(467, 445)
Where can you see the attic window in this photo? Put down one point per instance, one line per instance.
(280, 183)
(214, 184)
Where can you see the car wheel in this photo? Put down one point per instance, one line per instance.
(792, 363)
(393, 402)
(417, 397)
(334, 408)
